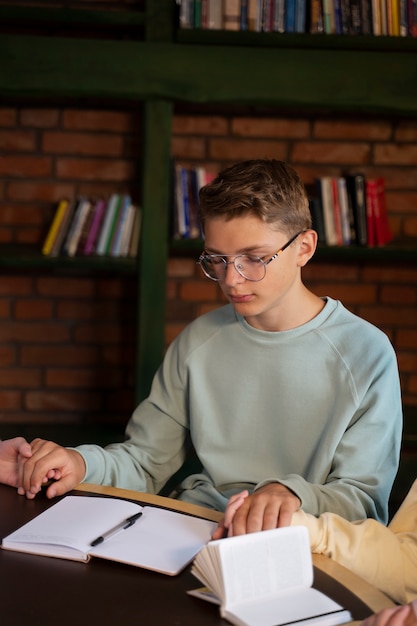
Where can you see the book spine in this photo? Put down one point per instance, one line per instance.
(121, 224)
(54, 228)
(95, 226)
(107, 223)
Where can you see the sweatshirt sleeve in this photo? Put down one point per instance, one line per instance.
(384, 558)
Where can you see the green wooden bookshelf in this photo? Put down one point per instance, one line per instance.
(140, 57)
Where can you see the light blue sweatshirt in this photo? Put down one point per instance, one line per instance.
(316, 408)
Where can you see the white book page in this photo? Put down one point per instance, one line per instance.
(69, 526)
(288, 608)
(264, 564)
(161, 540)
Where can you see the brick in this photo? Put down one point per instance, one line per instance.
(79, 119)
(8, 117)
(395, 154)
(402, 202)
(199, 125)
(316, 270)
(410, 227)
(240, 149)
(39, 118)
(10, 400)
(15, 215)
(198, 290)
(25, 332)
(40, 192)
(17, 141)
(407, 361)
(7, 355)
(20, 378)
(347, 293)
(82, 143)
(95, 169)
(172, 331)
(392, 294)
(390, 315)
(32, 309)
(68, 288)
(25, 166)
(343, 153)
(271, 127)
(63, 355)
(5, 308)
(100, 333)
(390, 273)
(406, 131)
(15, 285)
(406, 338)
(189, 147)
(62, 401)
(181, 268)
(352, 129)
(94, 378)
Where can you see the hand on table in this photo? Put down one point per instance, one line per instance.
(10, 452)
(49, 461)
(271, 506)
(397, 616)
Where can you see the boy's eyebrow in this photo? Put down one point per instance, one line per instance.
(247, 250)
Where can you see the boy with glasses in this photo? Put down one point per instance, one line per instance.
(282, 392)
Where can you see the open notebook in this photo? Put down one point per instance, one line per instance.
(158, 539)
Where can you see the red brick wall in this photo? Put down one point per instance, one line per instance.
(67, 342)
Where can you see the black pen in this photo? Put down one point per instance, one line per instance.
(122, 526)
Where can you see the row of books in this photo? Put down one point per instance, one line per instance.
(102, 227)
(350, 210)
(342, 17)
(188, 182)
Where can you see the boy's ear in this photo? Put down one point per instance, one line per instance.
(307, 246)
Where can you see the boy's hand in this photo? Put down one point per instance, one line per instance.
(49, 461)
(271, 506)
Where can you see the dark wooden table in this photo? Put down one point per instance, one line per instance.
(43, 591)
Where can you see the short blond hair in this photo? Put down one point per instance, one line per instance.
(267, 188)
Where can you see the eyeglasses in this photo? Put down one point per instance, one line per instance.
(250, 267)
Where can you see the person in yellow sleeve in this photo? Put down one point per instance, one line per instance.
(385, 556)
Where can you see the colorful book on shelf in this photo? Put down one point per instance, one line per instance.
(105, 231)
(265, 579)
(58, 244)
(127, 232)
(379, 231)
(86, 227)
(326, 195)
(356, 186)
(97, 220)
(214, 15)
(344, 211)
(82, 527)
(55, 226)
(136, 230)
(74, 235)
(231, 14)
(73, 231)
(114, 225)
(120, 226)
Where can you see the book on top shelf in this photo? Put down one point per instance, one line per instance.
(97, 220)
(265, 579)
(81, 527)
(55, 226)
(379, 231)
(356, 187)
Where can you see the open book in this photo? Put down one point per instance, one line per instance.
(264, 579)
(150, 537)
